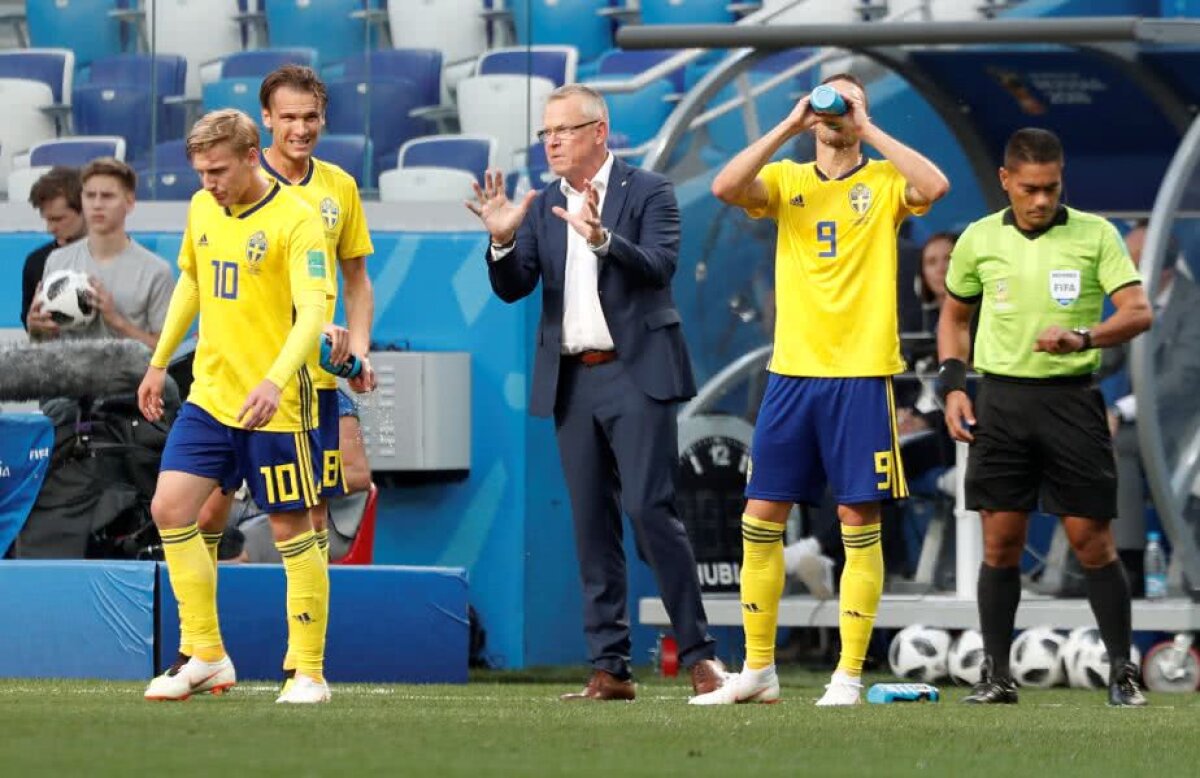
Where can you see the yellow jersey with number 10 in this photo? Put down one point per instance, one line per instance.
(332, 192)
(835, 268)
(249, 262)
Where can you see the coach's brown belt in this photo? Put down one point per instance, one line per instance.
(591, 358)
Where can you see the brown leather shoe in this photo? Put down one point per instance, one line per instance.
(708, 675)
(604, 686)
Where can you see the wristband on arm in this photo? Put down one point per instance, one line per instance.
(952, 377)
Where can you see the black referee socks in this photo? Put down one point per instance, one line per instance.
(999, 594)
(1108, 594)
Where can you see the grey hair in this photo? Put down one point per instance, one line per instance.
(594, 107)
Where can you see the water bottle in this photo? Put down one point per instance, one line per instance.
(884, 693)
(348, 369)
(1156, 567)
(827, 100)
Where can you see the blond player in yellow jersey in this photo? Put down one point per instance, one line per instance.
(253, 266)
(828, 413)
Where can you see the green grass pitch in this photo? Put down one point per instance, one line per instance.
(513, 724)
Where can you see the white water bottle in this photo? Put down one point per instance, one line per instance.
(1156, 567)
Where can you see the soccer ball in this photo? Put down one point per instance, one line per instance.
(66, 296)
(918, 653)
(966, 658)
(1086, 659)
(1035, 658)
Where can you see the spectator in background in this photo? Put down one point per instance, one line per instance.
(57, 197)
(931, 278)
(131, 285)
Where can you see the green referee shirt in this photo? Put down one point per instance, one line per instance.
(1028, 281)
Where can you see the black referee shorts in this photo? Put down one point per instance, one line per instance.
(1046, 440)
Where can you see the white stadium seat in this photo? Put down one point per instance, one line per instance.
(426, 184)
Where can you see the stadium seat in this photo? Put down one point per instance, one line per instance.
(167, 182)
(555, 63)
(533, 162)
(456, 27)
(472, 153)
(169, 154)
(76, 151)
(257, 64)
(686, 12)
(200, 31)
(387, 106)
(636, 117)
(351, 153)
(86, 27)
(491, 105)
(421, 66)
(21, 181)
(239, 93)
(53, 67)
(577, 23)
(168, 73)
(362, 549)
(631, 63)
(22, 121)
(115, 110)
(426, 184)
(328, 25)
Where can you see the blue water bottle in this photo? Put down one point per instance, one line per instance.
(827, 100)
(1156, 567)
(348, 369)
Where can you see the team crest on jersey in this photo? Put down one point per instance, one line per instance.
(256, 251)
(860, 198)
(330, 213)
(1064, 286)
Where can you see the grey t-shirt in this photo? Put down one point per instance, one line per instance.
(140, 282)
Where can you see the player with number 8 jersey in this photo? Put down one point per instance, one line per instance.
(828, 414)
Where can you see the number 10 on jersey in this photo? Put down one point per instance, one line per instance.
(827, 234)
(225, 280)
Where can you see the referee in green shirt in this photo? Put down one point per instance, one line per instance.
(1038, 432)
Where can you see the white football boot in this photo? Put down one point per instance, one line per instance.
(842, 689)
(304, 690)
(746, 686)
(194, 677)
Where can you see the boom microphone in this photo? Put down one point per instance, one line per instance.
(71, 368)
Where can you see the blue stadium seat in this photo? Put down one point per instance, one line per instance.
(327, 25)
(686, 12)
(351, 153)
(389, 103)
(636, 117)
(114, 110)
(167, 183)
(167, 71)
(83, 26)
(258, 63)
(168, 153)
(76, 151)
(631, 63)
(536, 164)
(54, 67)
(556, 63)
(239, 93)
(421, 66)
(576, 23)
(472, 153)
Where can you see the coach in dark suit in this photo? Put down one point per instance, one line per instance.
(611, 365)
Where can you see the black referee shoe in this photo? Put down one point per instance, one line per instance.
(1123, 688)
(992, 689)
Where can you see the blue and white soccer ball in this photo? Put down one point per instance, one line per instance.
(67, 297)
(920, 653)
(1035, 658)
(1086, 659)
(965, 662)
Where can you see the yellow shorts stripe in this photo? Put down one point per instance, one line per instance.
(899, 482)
(304, 462)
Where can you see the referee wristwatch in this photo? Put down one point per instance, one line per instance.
(1086, 334)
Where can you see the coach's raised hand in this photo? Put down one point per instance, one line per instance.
(500, 216)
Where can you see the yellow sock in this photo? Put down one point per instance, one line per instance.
(195, 584)
(323, 542)
(307, 602)
(762, 586)
(212, 541)
(862, 586)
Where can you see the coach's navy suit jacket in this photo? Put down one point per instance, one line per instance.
(642, 215)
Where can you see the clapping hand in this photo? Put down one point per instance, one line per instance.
(500, 216)
(586, 220)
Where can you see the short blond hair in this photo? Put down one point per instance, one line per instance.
(227, 125)
(594, 106)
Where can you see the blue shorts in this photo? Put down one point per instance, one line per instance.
(816, 430)
(329, 416)
(277, 466)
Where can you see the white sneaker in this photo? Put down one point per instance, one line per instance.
(194, 677)
(842, 689)
(746, 686)
(304, 690)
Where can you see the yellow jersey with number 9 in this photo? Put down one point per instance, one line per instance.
(332, 192)
(249, 262)
(835, 268)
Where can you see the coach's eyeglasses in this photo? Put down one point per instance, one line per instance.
(566, 133)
